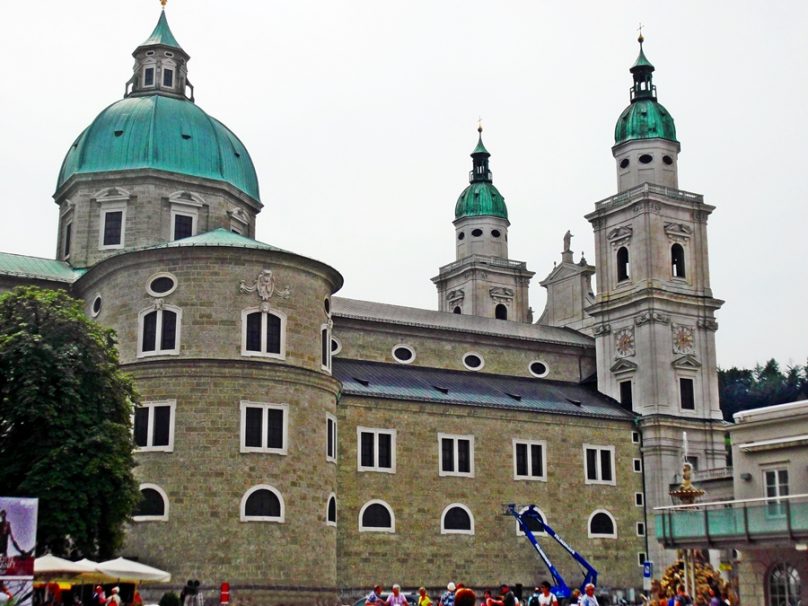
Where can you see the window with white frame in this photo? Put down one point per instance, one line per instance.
(148, 75)
(262, 503)
(639, 500)
(456, 455)
(601, 524)
(168, 77)
(330, 438)
(263, 333)
(598, 464)
(377, 516)
(159, 328)
(325, 347)
(183, 225)
(637, 465)
(533, 522)
(264, 427)
(640, 529)
(113, 226)
(641, 557)
(153, 504)
(529, 459)
(456, 519)
(376, 449)
(635, 437)
(67, 240)
(776, 486)
(154, 426)
(331, 510)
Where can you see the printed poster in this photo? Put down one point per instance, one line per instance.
(17, 544)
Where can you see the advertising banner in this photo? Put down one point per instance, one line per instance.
(17, 544)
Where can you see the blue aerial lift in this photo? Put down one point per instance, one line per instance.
(560, 587)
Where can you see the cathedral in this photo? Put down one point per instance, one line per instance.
(303, 447)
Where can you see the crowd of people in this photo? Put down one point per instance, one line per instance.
(459, 595)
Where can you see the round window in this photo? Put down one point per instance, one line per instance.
(538, 369)
(327, 305)
(161, 285)
(473, 361)
(624, 163)
(496, 233)
(96, 306)
(336, 346)
(461, 236)
(667, 160)
(477, 233)
(646, 159)
(404, 354)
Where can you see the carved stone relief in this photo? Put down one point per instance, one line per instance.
(264, 287)
(620, 236)
(501, 294)
(651, 317)
(678, 232)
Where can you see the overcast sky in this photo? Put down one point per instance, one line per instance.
(360, 116)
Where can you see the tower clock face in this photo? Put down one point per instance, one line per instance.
(624, 342)
(683, 340)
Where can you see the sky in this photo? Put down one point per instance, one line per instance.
(360, 116)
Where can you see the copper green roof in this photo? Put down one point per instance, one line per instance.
(162, 133)
(644, 119)
(642, 61)
(480, 149)
(218, 237)
(481, 198)
(37, 268)
(162, 34)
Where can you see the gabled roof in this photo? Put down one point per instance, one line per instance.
(427, 318)
(439, 386)
(38, 268)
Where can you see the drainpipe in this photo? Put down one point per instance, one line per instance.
(644, 492)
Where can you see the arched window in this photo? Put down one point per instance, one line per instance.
(623, 268)
(331, 511)
(263, 333)
(601, 524)
(677, 261)
(262, 503)
(376, 516)
(325, 347)
(532, 524)
(153, 505)
(783, 585)
(456, 519)
(501, 312)
(457, 310)
(159, 328)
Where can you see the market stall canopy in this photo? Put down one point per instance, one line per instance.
(127, 570)
(50, 565)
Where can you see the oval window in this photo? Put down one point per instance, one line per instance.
(404, 354)
(96, 306)
(667, 160)
(477, 233)
(327, 305)
(161, 285)
(461, 236)
(624, 163)
(496, 233)
(473, 361)
(149, 53)
(168, 54)
(538, 369)
(646, 158)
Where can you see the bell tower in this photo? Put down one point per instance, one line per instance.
(483, 281)
(654, 312)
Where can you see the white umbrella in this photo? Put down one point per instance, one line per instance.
(50, 565)
(127, 570)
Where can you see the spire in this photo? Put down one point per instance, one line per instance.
(480, 155)
(162, 34)
(643, 80)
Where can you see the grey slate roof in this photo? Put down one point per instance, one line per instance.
(427, 318)
(413, 383)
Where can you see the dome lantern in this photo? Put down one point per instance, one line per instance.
(480, 198)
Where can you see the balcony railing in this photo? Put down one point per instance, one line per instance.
(642, 191)
(725, 523)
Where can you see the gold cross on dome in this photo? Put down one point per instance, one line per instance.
(480, 124)
(639, 29)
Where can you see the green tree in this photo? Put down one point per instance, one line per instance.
(766, 385)
(65, 422)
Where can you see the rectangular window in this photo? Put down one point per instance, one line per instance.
(262, 334)
(528, 460)
(776, 483)
(113, 228)
(638, 499)
(694, 461)
(325, 348)
(376, 449)
(626, 398)
(686, 392)
(264, 427)
(154, 426)
(148, 76)
(640, 529)
(68, 240)
(168, 77)
(183, 226)
(599, 464)
(330, 438)
(635, 437)
(637, 465)
(456, 455)
(641, 557)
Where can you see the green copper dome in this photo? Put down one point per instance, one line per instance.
(644, 119)
(161, 133)
(481, 198)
